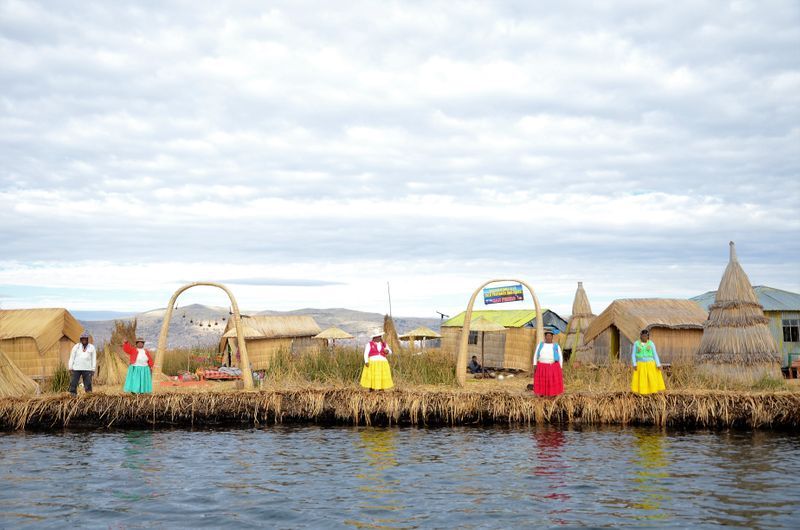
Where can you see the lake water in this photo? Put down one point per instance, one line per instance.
(293, 477)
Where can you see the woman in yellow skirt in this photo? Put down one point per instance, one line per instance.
(376, 374)
(647, 377)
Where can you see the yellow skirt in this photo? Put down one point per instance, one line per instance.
(647, 378)
(377, 375)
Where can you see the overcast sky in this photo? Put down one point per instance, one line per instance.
(308, 152)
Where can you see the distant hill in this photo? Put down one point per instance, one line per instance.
(201, 326)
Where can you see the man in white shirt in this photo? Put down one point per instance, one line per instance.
(82, 364)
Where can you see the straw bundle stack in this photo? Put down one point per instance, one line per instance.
(736, 339)
(581, 317)
(390, 334)
(112, 366)
(13, 383)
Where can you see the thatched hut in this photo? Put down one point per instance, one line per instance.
(267, 335)
(572, 340)
(13, 383)
(782, 308)
(737, 343)
(675, 325)
(512, 350)
(38, 340)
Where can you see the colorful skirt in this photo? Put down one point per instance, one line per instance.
(139, 380)
(647, 378)
(377, 375)
(548, 380)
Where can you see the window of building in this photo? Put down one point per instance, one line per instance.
(791, 330)
(473, 337)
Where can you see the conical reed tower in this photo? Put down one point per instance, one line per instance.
(390, 334)
(581, 317)
(737, 344)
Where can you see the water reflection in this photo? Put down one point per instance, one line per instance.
(650, 465)
(379, 451)
(550, 469)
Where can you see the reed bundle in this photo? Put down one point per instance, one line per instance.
(12, 381)
(573, 339)
(390, 334)
(736, 338)
(422, 408)
(112, 363)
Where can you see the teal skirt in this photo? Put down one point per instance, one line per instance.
(139, 380)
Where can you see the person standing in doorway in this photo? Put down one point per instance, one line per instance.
(548, 379)
(82, 364)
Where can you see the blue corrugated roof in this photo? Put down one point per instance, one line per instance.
(772, 299)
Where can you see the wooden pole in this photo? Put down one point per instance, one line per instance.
(461, 360)
(247, 374)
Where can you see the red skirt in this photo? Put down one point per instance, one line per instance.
(548, 380)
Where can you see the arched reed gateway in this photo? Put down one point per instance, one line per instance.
(461, 360)
(247, 374)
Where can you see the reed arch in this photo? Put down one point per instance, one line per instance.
(463, 345)
(247, 375)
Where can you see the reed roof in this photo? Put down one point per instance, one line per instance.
(421, 332)
(333, 333)
(14, 383)
(632, 315)
(274, 327)
(770, 298)
(737, 331)
(44, 326)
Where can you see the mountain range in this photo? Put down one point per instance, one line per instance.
(202, 326)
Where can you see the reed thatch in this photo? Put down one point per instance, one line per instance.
(333, 333)
(266, 335)
(736, 339)
(13, 383)
(572, 340)
(412, 407)
(390, 334)
(112, 362)
(38, 340)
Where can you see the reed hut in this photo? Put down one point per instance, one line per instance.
(782, 308)
(512, 350)
(675, 325)
(737, 344)
(38, 340)
(267, 335)
(572, 340)
(333, 333)
(13, 383)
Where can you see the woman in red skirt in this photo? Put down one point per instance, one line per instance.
(547, 362)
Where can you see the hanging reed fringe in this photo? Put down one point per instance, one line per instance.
(419, 408)
(736, 339)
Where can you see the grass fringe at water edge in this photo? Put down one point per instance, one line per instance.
(356, 407)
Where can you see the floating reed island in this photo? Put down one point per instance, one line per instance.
(349, 406)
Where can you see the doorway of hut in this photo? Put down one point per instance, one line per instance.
(613, 347)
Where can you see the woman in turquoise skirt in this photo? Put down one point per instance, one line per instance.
(140, 371)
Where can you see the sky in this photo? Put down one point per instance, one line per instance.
(307, 154)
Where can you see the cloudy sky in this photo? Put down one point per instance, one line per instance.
(308, 153)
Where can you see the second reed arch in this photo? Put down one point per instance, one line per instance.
(463, 344)
(247, 375)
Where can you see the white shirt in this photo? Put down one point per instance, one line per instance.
(141, 358)
(80, 359)
(547, 356)
(381, 350)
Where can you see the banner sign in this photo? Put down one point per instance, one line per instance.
(498, 295)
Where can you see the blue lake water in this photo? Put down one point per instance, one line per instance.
(316, 477)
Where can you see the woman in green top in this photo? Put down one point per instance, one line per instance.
(647, 377)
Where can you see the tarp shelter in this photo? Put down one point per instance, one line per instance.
(675, 325)
(267, 335)
(782, 308)
(512, 350)
(38, 340)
